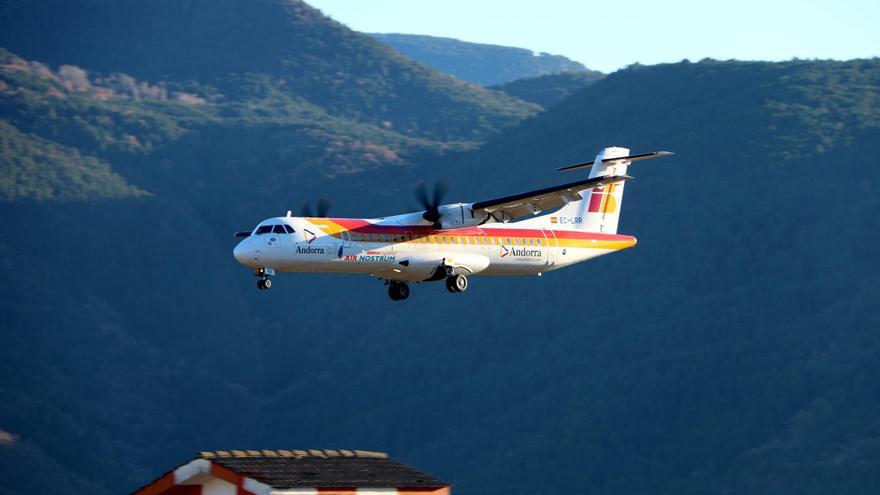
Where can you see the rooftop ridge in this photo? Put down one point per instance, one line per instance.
(298, 454)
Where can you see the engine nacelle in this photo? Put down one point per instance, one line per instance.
(460, 215)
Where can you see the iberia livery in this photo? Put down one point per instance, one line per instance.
(523, 234)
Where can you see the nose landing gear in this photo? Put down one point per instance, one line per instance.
(398, 291)
(264, 273)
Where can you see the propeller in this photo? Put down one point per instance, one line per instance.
(431, 203)
(323, 208)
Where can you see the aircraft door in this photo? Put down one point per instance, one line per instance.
(346, 244)
(551, 247)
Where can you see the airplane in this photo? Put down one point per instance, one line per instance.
(523, 234)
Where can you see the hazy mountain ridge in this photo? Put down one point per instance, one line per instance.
(478, 62)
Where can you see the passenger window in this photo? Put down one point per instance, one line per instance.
(387, 238)
(508, 240)
(443, 238)
(345, 236)
(531, 241)
(435, 239)
(453, 239)
(264, 229)
(539, 242)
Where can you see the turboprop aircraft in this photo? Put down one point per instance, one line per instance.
(524, 234)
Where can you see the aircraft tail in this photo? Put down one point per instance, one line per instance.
(599, 210)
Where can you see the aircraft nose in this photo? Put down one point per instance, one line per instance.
(242, 252)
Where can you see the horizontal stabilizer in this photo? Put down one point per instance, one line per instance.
(630, 158)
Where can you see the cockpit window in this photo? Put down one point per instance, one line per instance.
(264, 229)
(288, 228)
(279, 230)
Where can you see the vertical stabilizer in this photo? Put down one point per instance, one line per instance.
(600, 209)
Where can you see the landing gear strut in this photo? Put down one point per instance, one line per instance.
(456, 283)
(398, 291)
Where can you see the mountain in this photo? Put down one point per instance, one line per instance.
(246, 50)
(550, 89)
(732, 350)
(478, 62)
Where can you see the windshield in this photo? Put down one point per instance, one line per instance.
(277, 228)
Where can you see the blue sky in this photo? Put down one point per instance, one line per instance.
(609, 35)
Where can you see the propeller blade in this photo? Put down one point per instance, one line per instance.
(422, 195)
(440, 191)
(323, 207)
(431, 202)
(306, 210)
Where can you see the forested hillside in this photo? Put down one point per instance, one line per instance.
(246, 50)
(732, 350)
(478, 62)
(550, 89)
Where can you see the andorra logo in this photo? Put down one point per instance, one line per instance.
(311, 236)
(520, 252)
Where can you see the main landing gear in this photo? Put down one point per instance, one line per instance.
(264, 283)
(456, 282)
(398, 291)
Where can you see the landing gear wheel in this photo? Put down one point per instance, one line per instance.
(456, 283)
(398, 291)
(264, 283)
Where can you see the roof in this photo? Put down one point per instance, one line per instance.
(320, 468)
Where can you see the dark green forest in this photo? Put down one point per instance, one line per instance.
(550, 89)
(733, 350)
(478, 62)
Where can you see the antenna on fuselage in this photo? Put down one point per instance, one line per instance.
(289, 214)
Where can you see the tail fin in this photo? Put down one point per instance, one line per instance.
(599, 211)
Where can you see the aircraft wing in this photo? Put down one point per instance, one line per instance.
(531, 202)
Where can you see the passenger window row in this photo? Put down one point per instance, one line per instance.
(357, 237)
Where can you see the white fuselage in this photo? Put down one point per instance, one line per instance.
(401, 249)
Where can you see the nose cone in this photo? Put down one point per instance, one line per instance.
(242, 252)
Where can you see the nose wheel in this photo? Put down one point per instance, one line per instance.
(456, 283)
(264, 273)
(398, 291)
